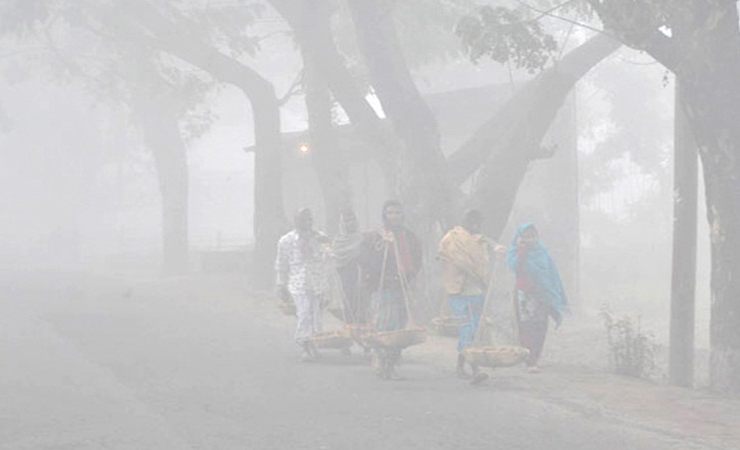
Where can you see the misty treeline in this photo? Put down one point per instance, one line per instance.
(141, 54)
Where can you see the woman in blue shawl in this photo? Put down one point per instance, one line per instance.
(539, 292)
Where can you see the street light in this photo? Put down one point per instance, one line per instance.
(304, 149)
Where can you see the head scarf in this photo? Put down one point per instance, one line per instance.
(346, 245)
(541, 268)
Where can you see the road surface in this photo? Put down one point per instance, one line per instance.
(164, 365)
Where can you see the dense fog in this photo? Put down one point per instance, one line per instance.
(158, 157)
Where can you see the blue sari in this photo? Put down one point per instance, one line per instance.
(540, 266)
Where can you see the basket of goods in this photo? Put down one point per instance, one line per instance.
(492, 355)
(450, 325)
(332, 340)
(397, 339)
(496, 356)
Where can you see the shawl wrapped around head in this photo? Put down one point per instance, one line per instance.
(466, 255)
(541, 268)
(347, 247)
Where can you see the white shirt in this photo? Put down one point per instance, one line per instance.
(300, 264)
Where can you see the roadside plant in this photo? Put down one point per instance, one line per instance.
(632, 350)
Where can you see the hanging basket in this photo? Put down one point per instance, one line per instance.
(450, 325)
(287, 308)
(359, 333)
(398, 339)
(332, 340)
(359, 330)
(496, 356)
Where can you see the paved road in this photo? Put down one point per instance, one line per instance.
(98, 367)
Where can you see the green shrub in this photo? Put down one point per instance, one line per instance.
(631, 349)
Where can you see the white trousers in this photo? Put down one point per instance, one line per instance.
(308, 310)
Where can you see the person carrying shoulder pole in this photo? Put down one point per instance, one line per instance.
(465, 254)
(301, 278)
(391, 258)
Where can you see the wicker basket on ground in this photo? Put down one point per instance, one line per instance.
(332, 340)
(496, 356)
(398, 339)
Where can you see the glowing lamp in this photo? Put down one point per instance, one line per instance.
(304, 149)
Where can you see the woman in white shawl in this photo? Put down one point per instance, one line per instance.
(346, 247)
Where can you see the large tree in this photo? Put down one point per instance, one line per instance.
(410, 150)
(125, 73)
(407, 144)
(213, 39)
(167, 30)
(699, 40)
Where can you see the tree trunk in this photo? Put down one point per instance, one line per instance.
(269, 214)
(330, 164)
(311, 23)
(683, 279)
(709, 74)
(423, 182)
(161, 131)
(533, 104)
(269, 211)
(511, 139)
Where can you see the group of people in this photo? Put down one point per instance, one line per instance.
(374, 268)
(374, 271)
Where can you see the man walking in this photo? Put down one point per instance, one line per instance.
(465, 254)
(301, 277)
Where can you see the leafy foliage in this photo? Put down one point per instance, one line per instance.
(631, 349)
(505, 35)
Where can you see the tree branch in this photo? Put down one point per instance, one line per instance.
(532, 100)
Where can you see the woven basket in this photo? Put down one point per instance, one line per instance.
(332, 339)
(498, 356)
(450, 325)
(359, 333)
(397, 339)
(359, 330)
(287, 308)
